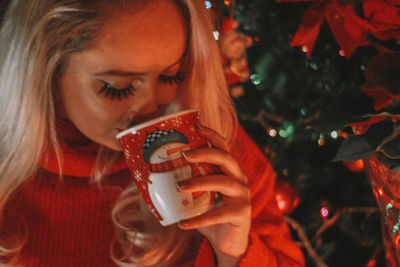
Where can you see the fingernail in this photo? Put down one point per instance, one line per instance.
(183, 225)
(183, 184)
(184, 155)
(187, 154)
(199, 126)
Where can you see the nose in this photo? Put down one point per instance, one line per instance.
(146, 104)
(147, 109)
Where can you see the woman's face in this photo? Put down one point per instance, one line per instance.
(130, 74)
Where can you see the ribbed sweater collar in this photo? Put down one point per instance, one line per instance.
(78, 152)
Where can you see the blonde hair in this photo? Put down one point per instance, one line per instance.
(36, 39)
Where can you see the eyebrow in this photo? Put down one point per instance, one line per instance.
(122, 73)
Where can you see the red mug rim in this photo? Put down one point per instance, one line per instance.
(157, 120)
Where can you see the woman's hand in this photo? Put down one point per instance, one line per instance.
(226, 227)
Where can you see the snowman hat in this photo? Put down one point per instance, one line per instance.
(159, 138)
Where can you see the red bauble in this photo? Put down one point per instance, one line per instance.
(286, 196)
(354, 166)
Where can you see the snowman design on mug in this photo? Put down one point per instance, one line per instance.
(162, 151)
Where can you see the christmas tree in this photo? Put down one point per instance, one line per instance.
(303, 86)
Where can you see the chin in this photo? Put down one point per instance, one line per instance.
(113, 145)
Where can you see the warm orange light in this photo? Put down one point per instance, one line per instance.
(321, 142)
(354, 166)
(380, 191)
(272, 132)
(324, 212)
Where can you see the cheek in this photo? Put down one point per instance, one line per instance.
(167, 93)
(85, 109)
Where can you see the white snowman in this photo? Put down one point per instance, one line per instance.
(162, 151)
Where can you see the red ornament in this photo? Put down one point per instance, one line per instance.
(354, 166)
(371, 263)
(286, 196)
(228, 24)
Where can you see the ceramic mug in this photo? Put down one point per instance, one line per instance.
(152, 151)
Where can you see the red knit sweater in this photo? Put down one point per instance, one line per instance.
(69, 222)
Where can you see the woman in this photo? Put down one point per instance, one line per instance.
(73, 74)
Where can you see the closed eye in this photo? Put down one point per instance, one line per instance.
(112, 92)
(120, 93)
(176, 79)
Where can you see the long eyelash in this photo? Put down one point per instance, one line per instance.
(177, 79)
(112, 92)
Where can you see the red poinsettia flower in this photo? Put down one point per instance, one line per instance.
(381, 97)
(384, 16)
(349, 29)
(383, 79)
(361, 127)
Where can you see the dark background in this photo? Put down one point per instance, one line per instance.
(305, 100)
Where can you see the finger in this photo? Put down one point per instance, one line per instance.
(224, 160)
(212, 136)
(236, 215)
(216, 183)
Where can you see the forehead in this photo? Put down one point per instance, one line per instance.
(146, 39)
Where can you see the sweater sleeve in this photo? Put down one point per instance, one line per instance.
(270, 240)
(270, 243)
